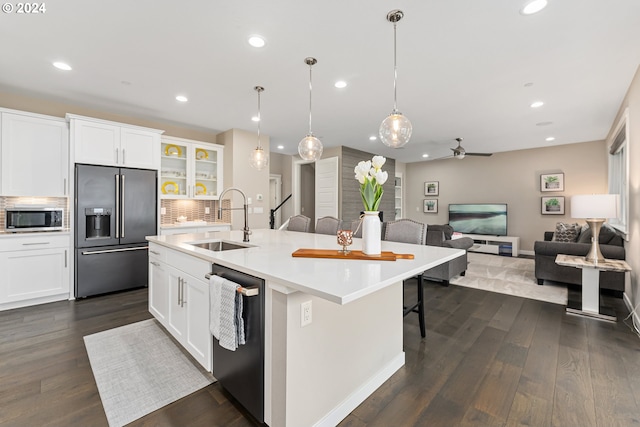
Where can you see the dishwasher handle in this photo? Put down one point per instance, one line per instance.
(247, 292)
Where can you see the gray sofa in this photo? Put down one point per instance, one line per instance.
(440, 235)
(611, 246)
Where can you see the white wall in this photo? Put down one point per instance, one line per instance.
(238, 145)
(632, 102)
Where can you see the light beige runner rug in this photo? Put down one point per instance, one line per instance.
(139, 369)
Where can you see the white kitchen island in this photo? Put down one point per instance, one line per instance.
(317, 374)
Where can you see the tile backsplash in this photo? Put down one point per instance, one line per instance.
(193, 210)
(56, 202)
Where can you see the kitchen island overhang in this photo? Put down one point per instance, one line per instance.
(319, 373)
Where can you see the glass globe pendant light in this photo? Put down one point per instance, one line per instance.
(310, 147)
(259, 159)
(395, 130)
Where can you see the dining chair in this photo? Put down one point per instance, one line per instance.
(328, 225)
(299, 223)
(410, 231)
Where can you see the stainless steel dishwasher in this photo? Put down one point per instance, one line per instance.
(241, 372)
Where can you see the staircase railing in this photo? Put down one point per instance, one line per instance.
(272, 215)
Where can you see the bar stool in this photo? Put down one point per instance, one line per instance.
(409, 231)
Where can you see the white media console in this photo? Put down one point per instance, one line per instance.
(499, 245)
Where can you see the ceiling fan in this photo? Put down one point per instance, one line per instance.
(460, 153)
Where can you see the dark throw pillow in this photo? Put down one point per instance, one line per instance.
(566, 233)
(607, 234)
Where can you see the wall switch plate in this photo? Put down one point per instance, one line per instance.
(163, 211)
(207, 210)
(258, 210)
(248, 200)
(305, 313)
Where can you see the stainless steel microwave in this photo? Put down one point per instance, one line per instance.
(33, 219)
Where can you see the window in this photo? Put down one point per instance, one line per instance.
(619, 171)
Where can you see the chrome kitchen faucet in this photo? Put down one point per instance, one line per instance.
(245, 230)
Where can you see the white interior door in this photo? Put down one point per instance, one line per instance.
(327, 187)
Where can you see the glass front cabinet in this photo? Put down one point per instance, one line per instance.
(190, 169)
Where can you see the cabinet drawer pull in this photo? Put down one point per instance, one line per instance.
(36, 243)
(157, 264)
(154, 252)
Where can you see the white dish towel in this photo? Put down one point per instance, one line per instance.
(215, 286)
(226, 322)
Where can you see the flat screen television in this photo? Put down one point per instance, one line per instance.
(479, 218)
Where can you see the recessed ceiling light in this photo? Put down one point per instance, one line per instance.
(533, 6)
(257, 41)
(62, 66)
(373, 138)
(425, 156)
(340, 84)
(550, 138)
(537, 104)
(181, 98)
(280, 147)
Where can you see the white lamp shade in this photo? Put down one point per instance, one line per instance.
(594, 206)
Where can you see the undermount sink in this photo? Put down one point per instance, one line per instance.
(219, 245)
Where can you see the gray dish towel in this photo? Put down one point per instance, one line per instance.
(231, 322)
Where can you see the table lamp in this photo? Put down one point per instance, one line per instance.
(595, 209)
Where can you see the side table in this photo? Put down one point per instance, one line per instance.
(590, 304)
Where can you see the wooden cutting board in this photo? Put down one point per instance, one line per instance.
(338, 254)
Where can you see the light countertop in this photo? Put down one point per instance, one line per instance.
(339, 281)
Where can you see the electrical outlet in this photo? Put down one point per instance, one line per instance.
(207, 210)
(305, 313)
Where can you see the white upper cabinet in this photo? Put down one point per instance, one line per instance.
(99, 142)
(190, 169)
(35, 155)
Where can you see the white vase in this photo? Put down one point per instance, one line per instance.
(371, 233)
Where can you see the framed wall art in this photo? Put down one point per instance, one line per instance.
(553, 205)
(431, 188)
(552, 182)
(430, 206)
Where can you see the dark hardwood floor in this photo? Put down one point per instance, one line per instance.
(488, 360)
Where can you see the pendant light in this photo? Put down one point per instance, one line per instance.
(259, 159)
(310, 148)
(395, 130)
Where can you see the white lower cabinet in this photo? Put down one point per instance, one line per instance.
(180, 301)
(33, 270)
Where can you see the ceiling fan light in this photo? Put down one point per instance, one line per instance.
(310, 148)
(395, 130)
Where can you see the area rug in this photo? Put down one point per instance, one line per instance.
(508, 275)
(139, 369)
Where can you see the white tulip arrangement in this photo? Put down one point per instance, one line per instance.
(371, 178)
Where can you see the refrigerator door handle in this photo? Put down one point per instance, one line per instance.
(108, 251)
(122, 208)
(117, 206)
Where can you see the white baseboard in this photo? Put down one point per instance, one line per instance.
(341, 411)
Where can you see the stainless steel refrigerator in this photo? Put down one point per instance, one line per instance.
(115, 208)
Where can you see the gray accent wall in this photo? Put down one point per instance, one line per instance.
(351, 200)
